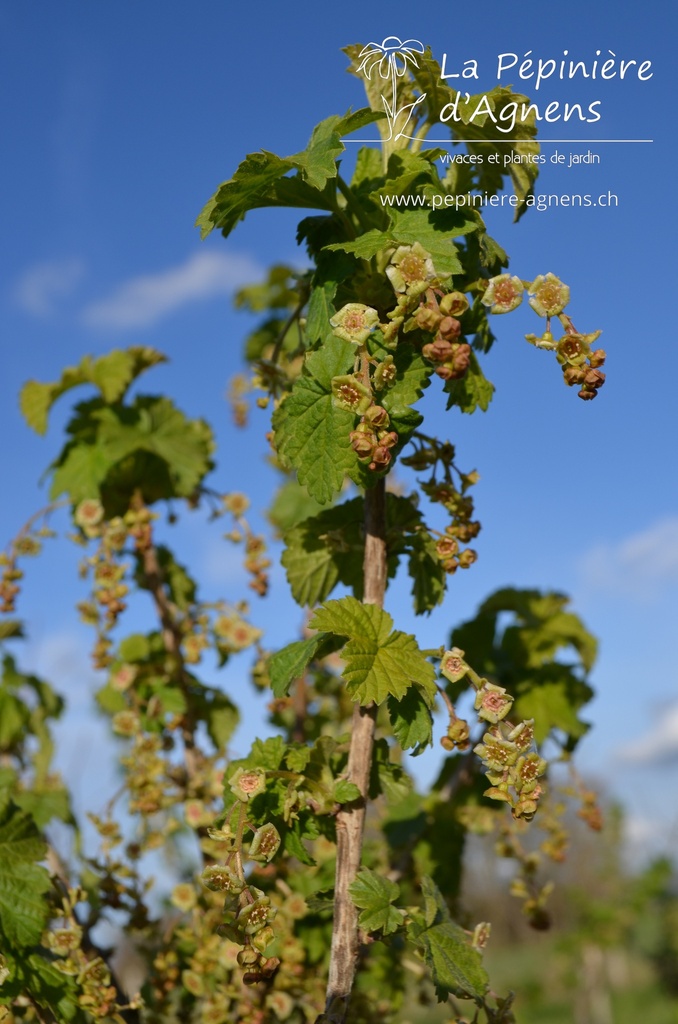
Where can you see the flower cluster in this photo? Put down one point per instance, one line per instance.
(513, 767)
(441, 489)
(548, 297)
(247, 910)
(256, 562)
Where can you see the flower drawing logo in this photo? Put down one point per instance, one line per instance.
(390, 59)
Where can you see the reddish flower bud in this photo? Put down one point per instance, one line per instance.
(449, 328)
(594, 378)
(437, 351)
(573, 375)
(377, 416)
(381, 457)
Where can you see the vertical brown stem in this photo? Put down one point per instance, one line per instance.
(351, 817)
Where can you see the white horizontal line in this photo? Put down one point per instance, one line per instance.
(590, 142)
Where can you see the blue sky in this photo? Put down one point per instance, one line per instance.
(118, 122)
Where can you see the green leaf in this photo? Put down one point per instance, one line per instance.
(221, 718)
(526, 657)
(311, 433)
(456, 968)
(260, 179)
(324, 550)
(373, 895)
(366, 245)
(411, 720)
(111, 373)
(45, 804)
(345, 792)
(320, 309)
(291, 506)
(378, 662)
(431, 229)
(150, 446)
(11, 628)
(387, 777)
(135, 647)
(473, 391)
(553, 703)
(288, 664)
(23, 882)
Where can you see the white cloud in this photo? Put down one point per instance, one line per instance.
(40, 287)
(659, 744)
(639, 565)
(143, 301)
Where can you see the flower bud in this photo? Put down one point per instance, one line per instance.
(377, 416)
(427, 319)
(387, 438)
(598, 357)
(449, 328)
(247, 957)
(446, 547)
(362, 443)
(594, 378)
(437, 351)
(381, 457)
(385, 374)
(573, 375)
(453, 304)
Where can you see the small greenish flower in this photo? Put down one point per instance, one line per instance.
(219, 878)
(265, 843)
(247, 782)
(193, 983)
(385, 373)
(126, 723)
(523, 734)
(492, 702)
(572, 349)
(183, 897)
(220, 835)
(453, 666)
(235, 633)
(349, 392)
(89, 513)
(544, 340)
(411, 269)
(497, 753)
(526, 772)
(453, 304)
(256, 916)
(354, 322)
(503, 293)
(548, 295)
